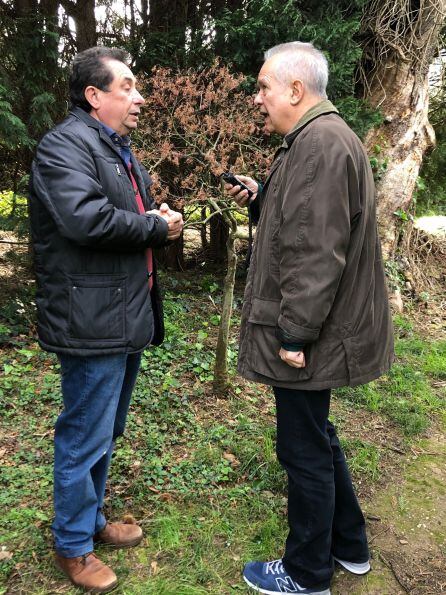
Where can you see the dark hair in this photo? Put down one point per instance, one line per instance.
(90, 68)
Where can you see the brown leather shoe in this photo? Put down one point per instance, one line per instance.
(120, 535)
(88, 572)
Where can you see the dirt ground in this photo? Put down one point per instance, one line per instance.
(407, 529)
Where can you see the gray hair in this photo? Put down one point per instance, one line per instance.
(301, 60)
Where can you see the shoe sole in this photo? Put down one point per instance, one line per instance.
(108, 589)
(267, 592)
(351, 569)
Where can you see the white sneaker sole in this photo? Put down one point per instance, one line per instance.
(266, 592)
(354, 568)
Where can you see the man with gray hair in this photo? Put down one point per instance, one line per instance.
(315, 314)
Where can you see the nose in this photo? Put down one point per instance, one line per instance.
(258, 98)
(138, 98)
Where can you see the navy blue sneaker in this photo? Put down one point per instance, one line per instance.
(271, 578)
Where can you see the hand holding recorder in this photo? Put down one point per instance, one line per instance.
(242, 188)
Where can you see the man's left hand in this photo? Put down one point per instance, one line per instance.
(296, 359)
(173, 218)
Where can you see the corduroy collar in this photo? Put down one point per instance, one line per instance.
(323, 107)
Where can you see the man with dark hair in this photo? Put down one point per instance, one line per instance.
(315, 313)
(94, 225)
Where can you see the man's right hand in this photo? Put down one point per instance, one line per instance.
(241, 196)
(295, 359)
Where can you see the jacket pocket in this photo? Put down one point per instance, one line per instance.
(265, 346)
(97, 307)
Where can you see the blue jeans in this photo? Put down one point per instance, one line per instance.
(96, 394)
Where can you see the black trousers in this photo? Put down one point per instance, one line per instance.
(324, 515)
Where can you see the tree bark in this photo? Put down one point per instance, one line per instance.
(172, 256)
(218, 238)
(145, 14)
(162, 33)
(398, 86)
(398, 146)
(203, 235)
(24, 8)
(168, 16)
(82, 12)
(221, 355)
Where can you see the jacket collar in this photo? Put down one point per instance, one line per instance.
(82, 115)
(323, 107)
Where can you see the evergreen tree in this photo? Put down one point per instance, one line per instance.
(30, 78)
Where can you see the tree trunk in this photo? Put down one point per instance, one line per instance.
(172, 256)
(169, 17)
(398, 146)
(24, 8)
(145, 15)
(82, 12)
(162, 33)
(218, 238)
(400, 43)
(221, 357)
(203, 236)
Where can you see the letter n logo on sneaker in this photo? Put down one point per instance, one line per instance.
(287, 585)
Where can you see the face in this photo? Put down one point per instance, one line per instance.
(119, 106)
(275, 100)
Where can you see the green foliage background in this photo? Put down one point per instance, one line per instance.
(34, 68)
(431, 195)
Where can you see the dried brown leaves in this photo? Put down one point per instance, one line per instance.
(195, 125)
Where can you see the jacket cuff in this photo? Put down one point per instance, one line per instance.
(288, 332)
(287, 341)
(158, 237)
(292, 346)
(254, 205)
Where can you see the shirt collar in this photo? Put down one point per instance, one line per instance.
(120, 141)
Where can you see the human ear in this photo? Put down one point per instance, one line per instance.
(92, 96)
(297, 91)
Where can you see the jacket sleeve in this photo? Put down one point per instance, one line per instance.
(147, 184)
(255, 207)
(314, 234)
(65, 180)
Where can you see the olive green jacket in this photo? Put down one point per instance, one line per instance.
(316, 274)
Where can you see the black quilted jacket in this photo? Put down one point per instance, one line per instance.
(90, 244)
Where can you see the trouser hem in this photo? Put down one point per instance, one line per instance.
(74, 553)
(101, 529)
(320, 586)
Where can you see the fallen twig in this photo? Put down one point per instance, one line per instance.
(378, 534)
(12, 242)
(390, 567)
(372, 517)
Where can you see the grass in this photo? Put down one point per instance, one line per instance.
(198, 470)
(414, 390)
